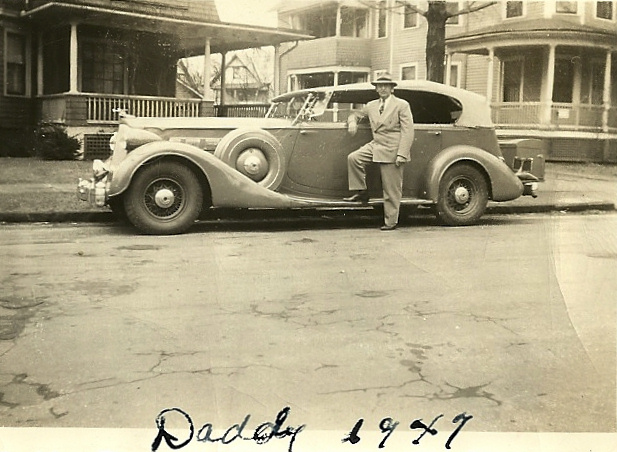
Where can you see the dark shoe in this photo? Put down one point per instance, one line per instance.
(388, 228)
(358, 197)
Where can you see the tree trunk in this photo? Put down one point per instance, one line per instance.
(436, 17)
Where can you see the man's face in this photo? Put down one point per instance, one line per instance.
(384, 90)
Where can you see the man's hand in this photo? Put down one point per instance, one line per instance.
(400, 160)
(352, 127)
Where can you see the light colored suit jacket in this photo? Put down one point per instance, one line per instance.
(393, 131)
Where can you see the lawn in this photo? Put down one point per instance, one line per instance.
(59, 197)
(31, 170)
(14, 171)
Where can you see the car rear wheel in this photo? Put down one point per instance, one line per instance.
(463, 195)
(164, 198)
(255, 153)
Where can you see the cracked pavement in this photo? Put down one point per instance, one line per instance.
(511, 321)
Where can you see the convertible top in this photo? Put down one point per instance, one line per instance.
(430, 102)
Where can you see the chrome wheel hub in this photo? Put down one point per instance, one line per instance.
(461, 195)
(164, 198)
(253, 163)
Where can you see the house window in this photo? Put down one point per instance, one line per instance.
(593, 84)
(16, 64)
(604, 10)
(102, 68)
(455, 74)
(410, 18)
(514, 9)
(353, 22)
(320, 22)
(452, 8)
(566, 7)
(564, 80)
(312, 80)
(345, 78)
(409, 72)
(237, 73)
(381, 19)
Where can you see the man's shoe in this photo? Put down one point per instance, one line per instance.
(361, 197)
(388, 228)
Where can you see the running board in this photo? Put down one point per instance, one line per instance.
(326, 204)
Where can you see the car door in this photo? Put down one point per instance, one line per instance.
(318, 162)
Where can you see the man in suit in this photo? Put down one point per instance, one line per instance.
(392, 126)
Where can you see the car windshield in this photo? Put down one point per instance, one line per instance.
(302, 106)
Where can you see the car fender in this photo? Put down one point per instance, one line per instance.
(503, 184)
(228, 187)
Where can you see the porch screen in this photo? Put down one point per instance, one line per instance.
(103, 68)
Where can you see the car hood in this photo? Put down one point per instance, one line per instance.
(203, 123)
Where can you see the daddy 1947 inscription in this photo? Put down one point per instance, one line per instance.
(261, 435)
(266, 431)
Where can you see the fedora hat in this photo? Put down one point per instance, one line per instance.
(384, 79)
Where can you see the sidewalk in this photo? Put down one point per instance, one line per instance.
(562, 191)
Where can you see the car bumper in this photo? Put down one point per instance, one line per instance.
(96, 189)
(95, 193)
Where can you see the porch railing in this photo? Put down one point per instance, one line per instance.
(104, 108)
(578, 117)
(242, 110)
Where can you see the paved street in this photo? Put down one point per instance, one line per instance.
(512, 321)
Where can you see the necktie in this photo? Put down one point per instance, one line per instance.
(381, 107)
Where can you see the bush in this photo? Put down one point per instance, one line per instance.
(51, 142)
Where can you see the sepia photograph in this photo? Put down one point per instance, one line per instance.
(301, 225)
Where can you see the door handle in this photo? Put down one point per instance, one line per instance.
(437, 133)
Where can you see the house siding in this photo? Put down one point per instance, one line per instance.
(329, 52)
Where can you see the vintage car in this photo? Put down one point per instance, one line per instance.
(164, 172)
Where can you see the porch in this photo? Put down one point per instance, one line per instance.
(563, 116)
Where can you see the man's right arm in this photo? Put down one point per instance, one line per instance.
(353, 118)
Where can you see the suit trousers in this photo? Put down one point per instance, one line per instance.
(391, 181)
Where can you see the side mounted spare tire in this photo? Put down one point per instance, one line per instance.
(256, 153)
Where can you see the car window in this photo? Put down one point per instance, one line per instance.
(426, 107)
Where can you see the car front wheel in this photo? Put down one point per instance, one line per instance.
(164, 198)
(463, 195)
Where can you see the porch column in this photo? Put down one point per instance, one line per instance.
(338, 20)
(490, 76)
(73, 88)
(223, 63)
(277, 69)
(207, 101)
(547, 93)
(448, 69)
(207, 71)
(606, 100)
(606, 94)
(39, 66)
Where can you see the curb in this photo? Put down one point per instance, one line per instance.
(109, 217)
(545, 208)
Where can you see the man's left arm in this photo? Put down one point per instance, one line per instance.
(407, 133)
